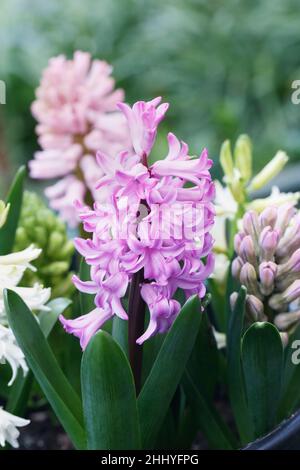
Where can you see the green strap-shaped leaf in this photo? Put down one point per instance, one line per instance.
(120, 333)
(234, 371)
(19, 393)
(291, 379)
(14, 198)
(109, 402)
(166, 438)
(203, 364)
(40, 358)
(208, 420)
(262, 354)
(167, 370)
(218, 305)
(21, 388)
(231, 286)
(47, 319)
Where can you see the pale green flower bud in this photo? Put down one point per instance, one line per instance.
(275, 199)
(40, 235)
(62, 286)
(3, 213)
(237, 186)
(55, 242)
(243, 157)
(272, 169)
(226, 160)
(38, 225)
(21, 238)
(67, 250)
(55, 269)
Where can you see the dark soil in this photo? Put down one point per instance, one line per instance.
(43, 433)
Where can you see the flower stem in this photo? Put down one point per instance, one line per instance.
(136, 314)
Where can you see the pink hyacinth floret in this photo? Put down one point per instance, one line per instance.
(76, 110)
(151, 221)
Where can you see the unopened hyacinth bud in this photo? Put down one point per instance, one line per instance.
(290, 242)
(236, 267)
(243, 157)
(39, 225)
(268, 217)
(281, 300)
(289, 271)
(268, 241)
(248, 278)
(255, 308)
(247, 250)
(267, 274)
(284, 217)
(251, 225)
(284, 321)
(238, 240)
(268, 264)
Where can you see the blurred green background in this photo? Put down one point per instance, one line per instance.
(225, 67)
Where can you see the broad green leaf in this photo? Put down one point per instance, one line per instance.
(47, 319)
(208, 420)
(167, 370)
(19, 393)
(150, 351)
(108, 391)
(231, 286)
(262, 355)
(40, 358)
(235, 379)
(166, 438)
(20, 390)
(218, 305)
(187, 429)
(14, 198)
(120, 333)
(203, 364)
(291, 379)
(5, 376)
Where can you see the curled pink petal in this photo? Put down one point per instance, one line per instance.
(86, 326)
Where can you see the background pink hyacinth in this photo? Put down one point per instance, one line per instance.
(76, 111)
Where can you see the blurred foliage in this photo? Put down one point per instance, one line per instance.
(40, 226)
(225, 67)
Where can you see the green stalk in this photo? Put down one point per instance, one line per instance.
(136, 314)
